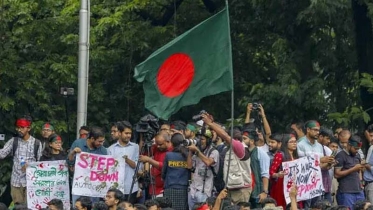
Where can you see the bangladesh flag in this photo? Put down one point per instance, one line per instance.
(194, 65)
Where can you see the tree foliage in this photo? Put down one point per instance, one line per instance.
(300, 59)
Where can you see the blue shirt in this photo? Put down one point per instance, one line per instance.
(368, 174)
(82, 144)
(132, 152)
(305, 148)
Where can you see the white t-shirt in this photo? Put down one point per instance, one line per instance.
(264, 148)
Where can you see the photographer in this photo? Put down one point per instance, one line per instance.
(159, 150)
(205, 159)
(239, 177)
(190, 131)
(176, 173)
(262, 143)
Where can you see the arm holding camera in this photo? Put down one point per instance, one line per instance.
(207, 160)
(267, 128)
(237, 146)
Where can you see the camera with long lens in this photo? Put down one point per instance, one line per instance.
(189, 142)
(256, 106)
(148, 126)
(198, 117)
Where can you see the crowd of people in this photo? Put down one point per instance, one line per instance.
(202, 165)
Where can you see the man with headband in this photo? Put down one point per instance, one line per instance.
(310, 146)
(46, 131)
(348, 172)
(25, 149)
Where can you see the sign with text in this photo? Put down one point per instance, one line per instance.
(305, 173)
(95, 174)
(45, 181)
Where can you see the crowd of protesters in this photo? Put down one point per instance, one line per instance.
(202, 165)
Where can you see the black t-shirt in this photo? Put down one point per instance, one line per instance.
(52, 157)
(351, 182)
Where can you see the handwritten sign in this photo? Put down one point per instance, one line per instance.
(306, 174)
(45, 181)
(96, 174)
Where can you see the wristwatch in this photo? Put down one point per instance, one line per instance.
(266, 192)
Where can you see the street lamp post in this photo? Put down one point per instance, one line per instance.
(83, 65)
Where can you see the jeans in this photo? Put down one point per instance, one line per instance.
(369, 192)
(349, 199)
(328, 197)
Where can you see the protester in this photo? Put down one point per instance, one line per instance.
(53, 149)
(112, 198)
(92, 144)
(128, 152)
(25, 149)
(55, 204)
(46, 131)
(288, 152)
(348, 172)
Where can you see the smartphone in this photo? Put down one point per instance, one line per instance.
(334, 153)
(2, 137)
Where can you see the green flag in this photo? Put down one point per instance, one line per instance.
(194, 65)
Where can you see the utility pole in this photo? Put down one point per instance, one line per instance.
(83, 65)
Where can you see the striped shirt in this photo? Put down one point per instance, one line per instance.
(25, 150)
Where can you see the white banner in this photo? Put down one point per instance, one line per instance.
(95, 174)
(45, 181)
(306, 174)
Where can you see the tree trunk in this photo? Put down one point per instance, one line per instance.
(364, 47)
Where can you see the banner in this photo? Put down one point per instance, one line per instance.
(45, 181)
(305, 173)
(95, 174)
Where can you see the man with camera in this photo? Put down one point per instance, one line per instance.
(205, 159)
(190, 131)
(262, 143)
(128, 152)
(239, 174)
(158, 150)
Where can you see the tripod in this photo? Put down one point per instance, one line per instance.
(145, 148)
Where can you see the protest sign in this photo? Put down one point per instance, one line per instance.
(305, 173)
(45, 181)
(95, 174)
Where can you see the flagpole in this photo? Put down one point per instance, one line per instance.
(232, 99)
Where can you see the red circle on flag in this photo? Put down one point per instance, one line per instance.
(175, 75)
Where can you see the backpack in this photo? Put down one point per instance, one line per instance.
(218, 180)
(36, 147)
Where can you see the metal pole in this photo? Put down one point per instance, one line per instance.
(83, 65)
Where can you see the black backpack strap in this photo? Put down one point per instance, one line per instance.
(36, 148)
(15, 145)
(208, 155)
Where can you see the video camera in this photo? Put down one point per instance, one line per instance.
(148, 126)
(198, 117)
